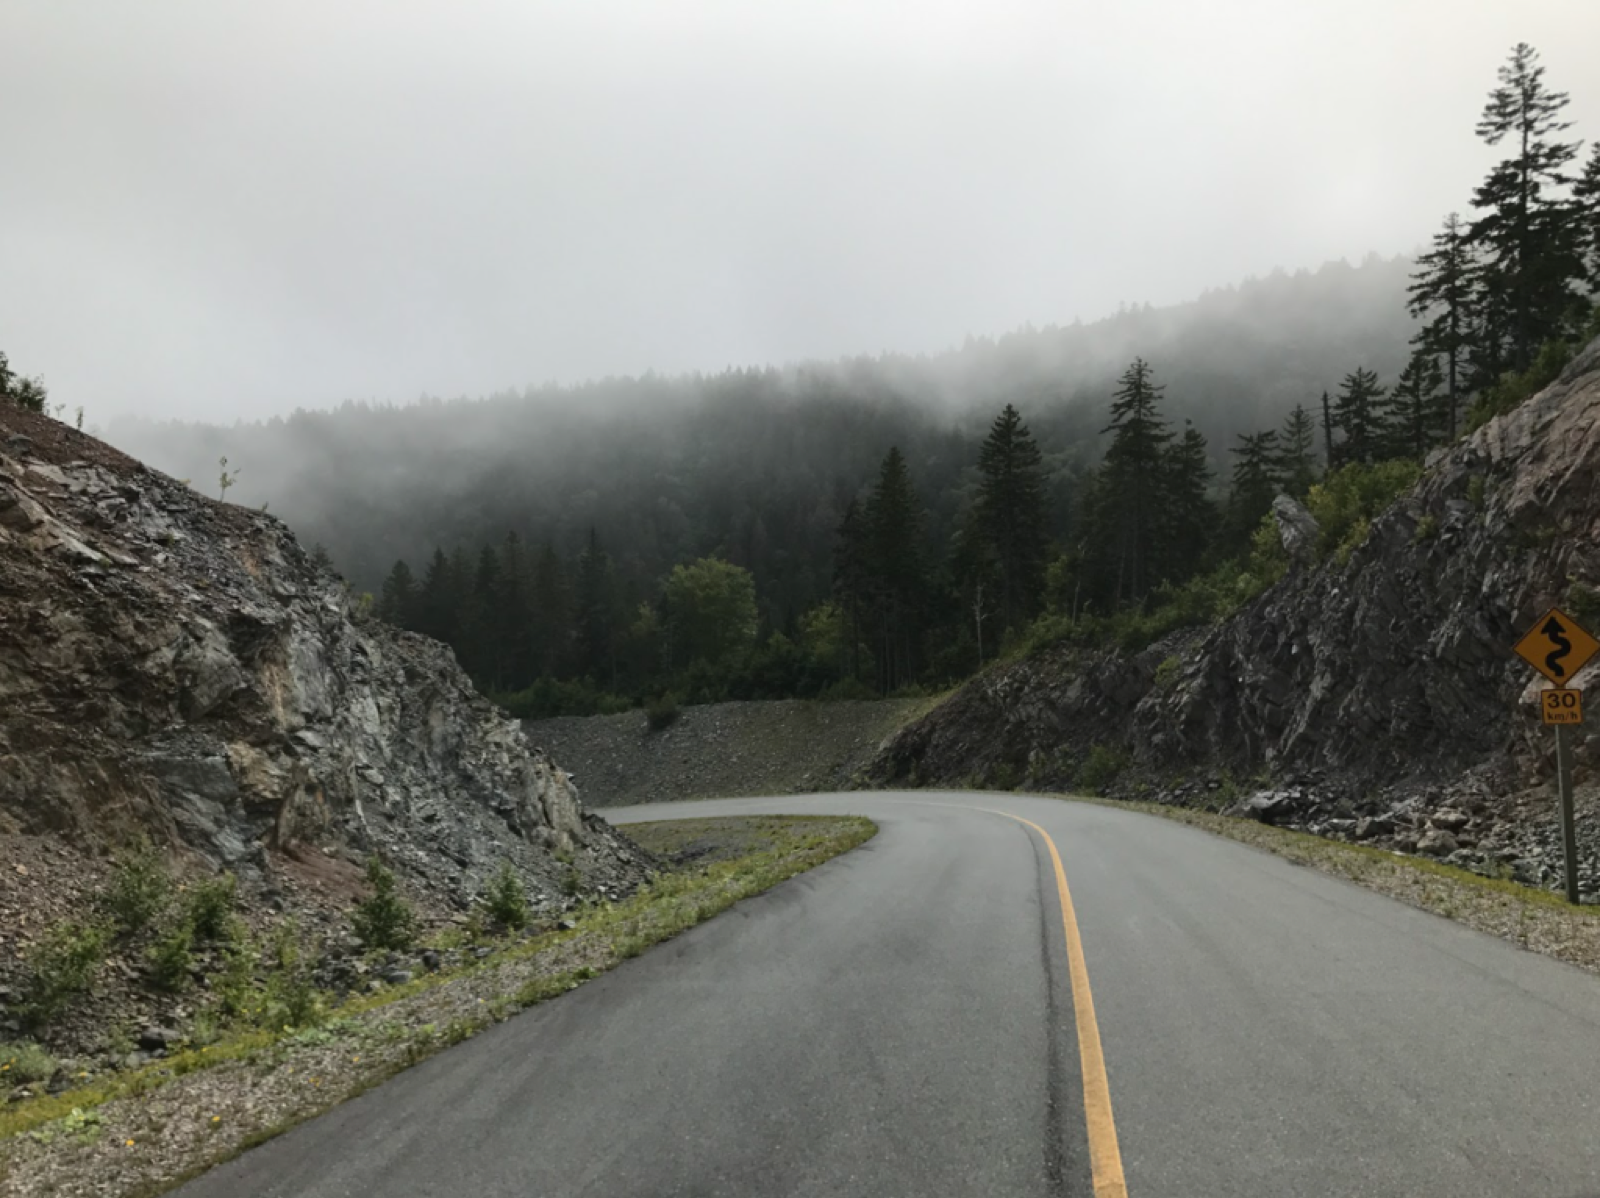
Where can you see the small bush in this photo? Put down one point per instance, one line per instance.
(171, 958)
(62, 966)
(1583, 601)
(235, 987)
(549, 697)
(1167, 672)
(1102, 767)
(140, 889)
(24, 1062)
(506, 900)
(210, 909)
(1475, 492)
(1427, 529)
(571, 882)
(1345, 502)
(385, 920)
(662, 712)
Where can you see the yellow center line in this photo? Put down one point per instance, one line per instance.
(1105, 1158)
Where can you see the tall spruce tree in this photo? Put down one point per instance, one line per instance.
(397, 601)
(1414, 415)
(482, 648)
(1441, 295)
(1296, 463)
(1129, 493)
(1009, 514)
(852, 576)
(596, 612)
(1358, 415)
(1586, 196)
(513, 614)
(1330, 450)
(1527, 235)
(1256, 482)
(551, 614)
(1188, 521)
(894, 522)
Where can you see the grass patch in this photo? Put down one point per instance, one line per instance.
(603, 936)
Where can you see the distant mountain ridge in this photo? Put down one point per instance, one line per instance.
(758, 464)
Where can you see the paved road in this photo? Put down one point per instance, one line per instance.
(901, 1021)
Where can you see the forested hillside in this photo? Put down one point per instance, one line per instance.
(874, 525)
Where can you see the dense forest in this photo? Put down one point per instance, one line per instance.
(877, 525)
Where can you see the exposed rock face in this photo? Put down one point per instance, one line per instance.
(1379, 683)
(179, 665)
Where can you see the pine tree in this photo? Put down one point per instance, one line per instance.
(1414, 415)
(852, 576)
(1188, 518)
(513, 621)
(551, 613)
(321, 559)
(1586, 196)
(483, 650)
(1528, 238)
(1329, 448)
(1009, 514)
(894, 538)
(397, 602)
(1129, 495)
(596, 611)
(1357, 414)
(1296, 463)
(438, 600)
(1256, 482)
(1441, 294)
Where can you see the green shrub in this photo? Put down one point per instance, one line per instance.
(1167, 671)
(1427, 529)
(662, 712)
(1345, 502)
(171, 958)
(550, 697)
(1475, 492)
(1102, 767)
(846, 688)
(1512, 389)
(1583, 602)
(210, 909)
(24, 1062)
(505, 900)
(571, 882)
(238, 997)
(140, 889)
(385, 920)
(62, 966)
(290, 998)
(1003, 775)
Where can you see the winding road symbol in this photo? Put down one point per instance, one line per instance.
(1557, 646)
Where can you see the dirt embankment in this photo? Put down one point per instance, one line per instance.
(722, 750)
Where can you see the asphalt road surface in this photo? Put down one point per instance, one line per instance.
(906, 1020)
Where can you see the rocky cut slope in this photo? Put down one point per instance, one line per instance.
(1379, 696)
(178, 667)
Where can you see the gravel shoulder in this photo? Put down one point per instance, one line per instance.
(723, 750)
(143, 1132)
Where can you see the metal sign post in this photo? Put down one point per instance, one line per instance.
(1557, 646)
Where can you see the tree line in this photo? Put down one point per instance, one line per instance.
(1032, 548)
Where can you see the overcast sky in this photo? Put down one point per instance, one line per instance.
(218, 209)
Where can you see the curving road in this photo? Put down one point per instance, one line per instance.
(904, 1020)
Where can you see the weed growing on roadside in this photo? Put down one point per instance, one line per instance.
(571, 882)
(210, 909)
(140, 889)
(171, 958)
(506, 900)
(1102, 767)
(24, 1062)
(385, 920)
(62, 966)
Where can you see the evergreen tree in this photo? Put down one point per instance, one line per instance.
(1129, 492)
(1296, 463)
(1441, 294)
(513, 617)
(1414, 415)
(1188, 521)
(551, 614)
(852, 576)
(1527, 236)
(397, 602)
(439, 601)
(1256, 481)
(899, 572)
(596, 612)
(1329, 448)
(1357, 414)
(26, 393)
(322, 559)
(1009, 515)
(1586, 196)
(483, 650)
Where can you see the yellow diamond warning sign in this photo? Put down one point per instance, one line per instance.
(1561, 706)
(1557, 647)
